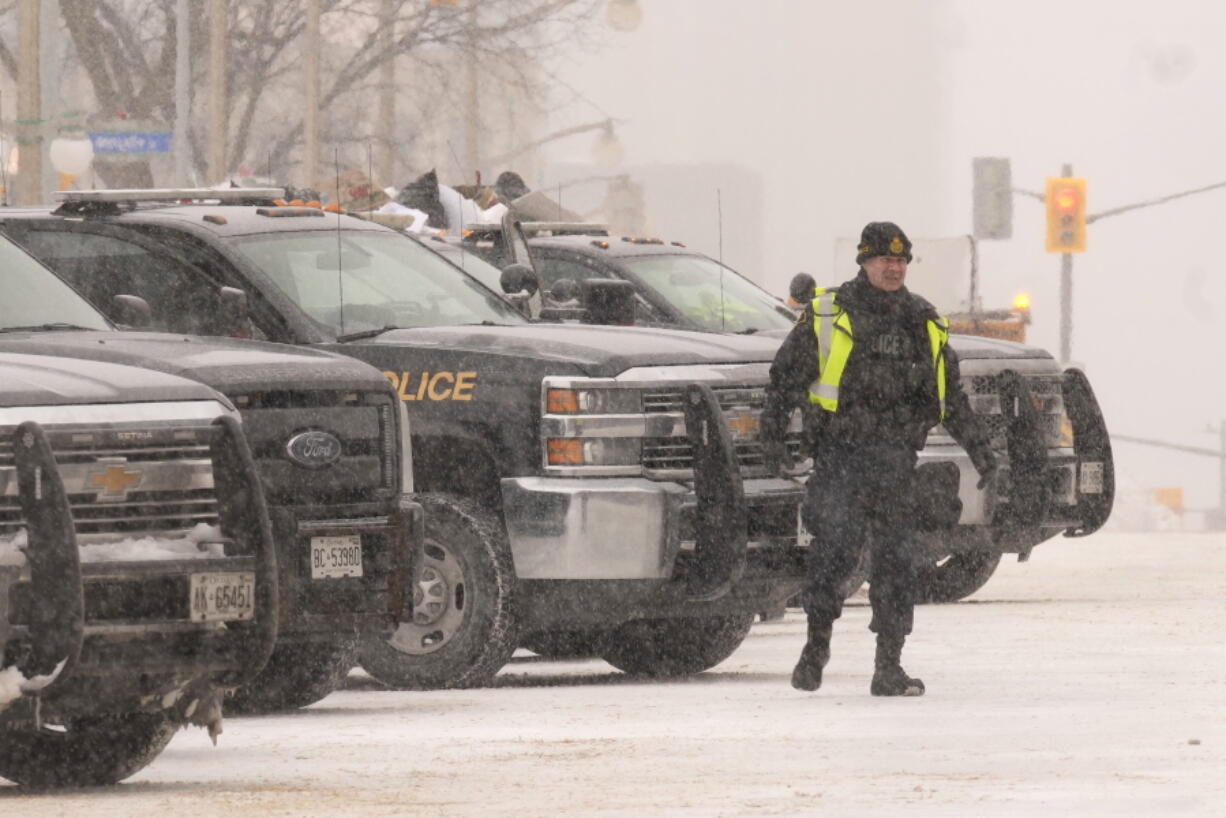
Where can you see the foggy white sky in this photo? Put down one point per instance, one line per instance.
(872, 110)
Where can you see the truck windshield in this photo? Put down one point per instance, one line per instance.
(357, 281)
(35, 298)
(469, 262)
(693, 286)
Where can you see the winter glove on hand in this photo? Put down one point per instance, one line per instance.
(777, 458)
(987, 467)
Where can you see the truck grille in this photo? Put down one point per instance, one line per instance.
(123, 480)
(1046, 390)
(742, 406)
(363, 423)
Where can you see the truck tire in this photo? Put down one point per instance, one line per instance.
(567, 644)
(462, 631)
(297, 674)
(955, 577)
(675, 647)
(85, 752)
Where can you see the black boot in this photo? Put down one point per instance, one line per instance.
(889, 679)
(814, 656)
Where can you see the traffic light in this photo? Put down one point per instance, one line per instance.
(1066, 214)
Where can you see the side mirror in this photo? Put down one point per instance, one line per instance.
(518, 278)
(520, 301)
(233, 319)
(131, 311)
(608, 301)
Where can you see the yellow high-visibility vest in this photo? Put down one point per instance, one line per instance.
(832, 326)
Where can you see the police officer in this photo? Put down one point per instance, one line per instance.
(870, 361)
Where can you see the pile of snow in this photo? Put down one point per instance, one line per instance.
(201, 543)
(13, 683)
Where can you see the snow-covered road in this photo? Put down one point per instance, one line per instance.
(1088, 682)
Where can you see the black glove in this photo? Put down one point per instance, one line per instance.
(777, 458)
(987, 467)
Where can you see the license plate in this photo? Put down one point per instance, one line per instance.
(335, 557)
(1091, 478)
(216, 597)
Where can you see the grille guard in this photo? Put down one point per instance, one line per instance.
(721, 522)
(1090, 443)
(57, 623)
(1030, 483)
(57, 618)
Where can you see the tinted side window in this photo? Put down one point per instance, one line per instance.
(102, 266)
(552, 268)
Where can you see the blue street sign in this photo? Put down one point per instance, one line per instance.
(132, 144)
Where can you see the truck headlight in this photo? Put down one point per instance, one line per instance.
(592, 401)
(594, 451)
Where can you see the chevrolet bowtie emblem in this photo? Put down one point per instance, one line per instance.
(115, 480)
(743, 424)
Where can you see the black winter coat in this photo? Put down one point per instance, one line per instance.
(888, 394)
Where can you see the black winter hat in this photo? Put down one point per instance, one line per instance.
(882, 239)
(801, 288)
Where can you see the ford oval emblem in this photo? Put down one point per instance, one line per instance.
(313, 449)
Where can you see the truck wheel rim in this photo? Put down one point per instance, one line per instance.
(439, 602)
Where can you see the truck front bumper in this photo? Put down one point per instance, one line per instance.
(627, 527)
(318, 604)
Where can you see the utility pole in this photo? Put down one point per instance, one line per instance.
(387, 97)
(49, 49)
(183, 85)
(29, 105)
(217, 90)
(1066, 295)
(472, 101)
(310, 117)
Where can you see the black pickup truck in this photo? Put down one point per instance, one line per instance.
(120, 619)
(1045, 421)
(581, 483)
(327, 439)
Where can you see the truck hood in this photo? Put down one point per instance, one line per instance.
(601, 351)
(47, 380)
(230, 366)
(973, 346)
(967, 346)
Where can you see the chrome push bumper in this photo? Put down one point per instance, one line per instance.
(618, 527)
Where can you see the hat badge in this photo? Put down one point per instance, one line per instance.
(896, 246)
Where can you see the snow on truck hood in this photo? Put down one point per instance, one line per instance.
(47, 380)
(227, 365)
(601, 351)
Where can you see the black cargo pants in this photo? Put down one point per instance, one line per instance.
(861, 497)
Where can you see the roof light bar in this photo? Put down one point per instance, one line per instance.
(223, 195)
(585, 228)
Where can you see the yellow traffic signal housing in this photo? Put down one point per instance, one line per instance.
(1066, 214)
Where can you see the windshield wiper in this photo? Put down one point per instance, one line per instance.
(749, 331)
(364, 334)
(54, 327)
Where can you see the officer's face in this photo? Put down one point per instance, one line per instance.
(886, 272)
